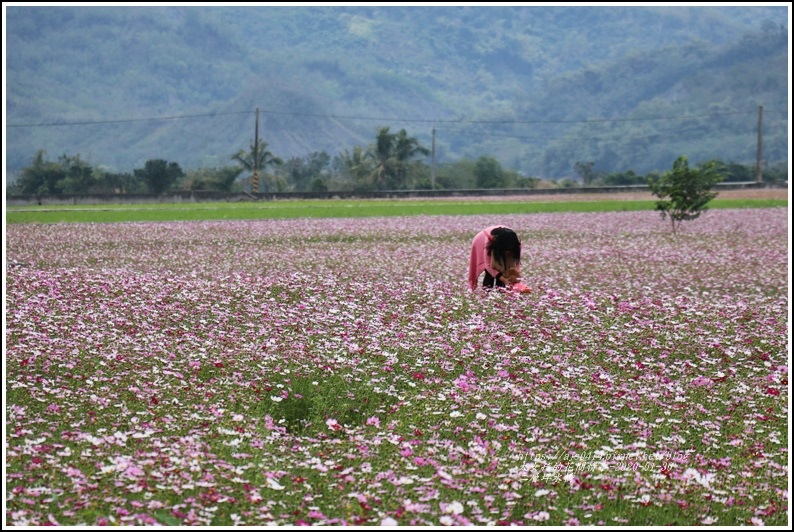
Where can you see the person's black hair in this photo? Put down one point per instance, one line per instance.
(504, 240)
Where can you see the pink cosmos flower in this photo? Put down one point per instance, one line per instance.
(133, 471)
(703, 381)
(538, 516)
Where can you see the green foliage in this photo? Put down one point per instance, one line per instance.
(391, 156)
(42, 177)
(525, 182)
(318, 172)
(307, 173)
(318, 184)
(488, 173)
(737, 172)
(354, 166)
(317, 398)
(683, 192)
(119, 183)
(159, 175)
(79, 177)
(69, 175)
(220, 179)
(776, 173)
(457, 175)
(623, 179)
(585, 171)
(259, 157)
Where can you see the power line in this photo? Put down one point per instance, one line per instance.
(507, 122)
(126, 120)
(499, 135)
(410, 120)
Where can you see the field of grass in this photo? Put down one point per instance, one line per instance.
(338, 371)
(285, 209)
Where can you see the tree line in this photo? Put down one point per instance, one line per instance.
(394, 161)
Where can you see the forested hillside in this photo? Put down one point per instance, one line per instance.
(538, 88)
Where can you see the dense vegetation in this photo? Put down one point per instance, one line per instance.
(360, 171)
(536, 89)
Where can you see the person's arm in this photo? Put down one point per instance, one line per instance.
(511, 276)
(474, 259)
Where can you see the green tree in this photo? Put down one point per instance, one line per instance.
(737, 172)
(118, 182)
(522, 181)
(776, 173)
(405, 150)
(391, 155)
(68, 175)
(356, 167)
(456, 175)
(684, 192)
(586, 171)
(382, 155)
(79, 176)
(42, 177)
(159, 175)
(488, 173)
(623, 178)
(264, 159)
(319, 184)
(221, 179)
(305, 173)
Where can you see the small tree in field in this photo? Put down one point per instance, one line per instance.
(684, 192)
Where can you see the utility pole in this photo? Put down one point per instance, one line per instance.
(256, 154)
(759, 174)
(433, 161)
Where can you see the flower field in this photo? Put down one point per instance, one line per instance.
(340, 372)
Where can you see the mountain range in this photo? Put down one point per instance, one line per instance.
(539, 88)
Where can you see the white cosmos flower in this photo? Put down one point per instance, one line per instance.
(273, 484)
(455, 508)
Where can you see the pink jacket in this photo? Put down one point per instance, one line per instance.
(479, 260)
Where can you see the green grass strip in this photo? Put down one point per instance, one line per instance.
(283, 209)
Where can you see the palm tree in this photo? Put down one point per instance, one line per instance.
(264, 158)
(382, 156)
(391, 154)
(357, 167)
(405, 149)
